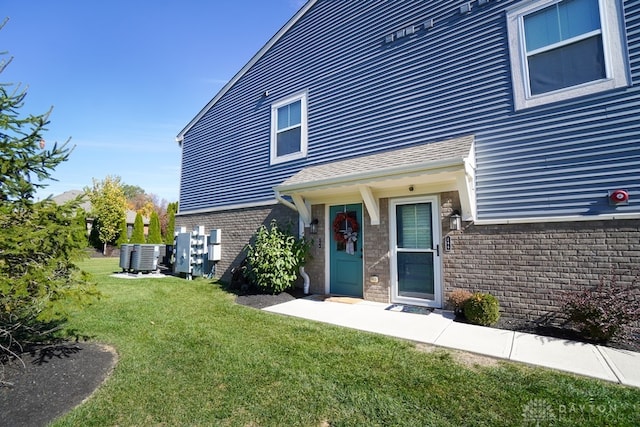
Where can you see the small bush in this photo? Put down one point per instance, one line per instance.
(457, 298)
(273, 260)
(482, 309)
(605, 311)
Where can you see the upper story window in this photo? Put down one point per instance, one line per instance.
(289, 129)
(563, 49)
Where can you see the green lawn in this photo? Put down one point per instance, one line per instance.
(189, 356)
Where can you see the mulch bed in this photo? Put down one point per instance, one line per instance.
(51, 380)
(630, 342)
(255, 299)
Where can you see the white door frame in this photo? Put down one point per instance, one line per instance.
(436, 250)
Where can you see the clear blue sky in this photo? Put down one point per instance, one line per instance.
(125, 76)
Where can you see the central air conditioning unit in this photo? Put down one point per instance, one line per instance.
(144, 257)
(125, 257)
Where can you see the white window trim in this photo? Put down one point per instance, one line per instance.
(613, 45)
(275, 159)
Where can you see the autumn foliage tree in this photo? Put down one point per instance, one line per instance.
(109, 207)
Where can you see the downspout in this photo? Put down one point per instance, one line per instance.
(303, 273)
(305, 277)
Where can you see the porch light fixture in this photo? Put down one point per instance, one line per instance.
(455, 221)
(313, 226)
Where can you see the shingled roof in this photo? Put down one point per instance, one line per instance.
(389, 162)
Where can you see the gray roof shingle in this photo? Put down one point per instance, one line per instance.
(435, 152)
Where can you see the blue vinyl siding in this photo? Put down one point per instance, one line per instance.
(367, 96)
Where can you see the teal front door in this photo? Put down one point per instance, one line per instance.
(345, 249)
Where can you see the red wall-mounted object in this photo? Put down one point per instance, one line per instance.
(618, 197)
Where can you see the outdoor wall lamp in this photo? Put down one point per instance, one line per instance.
(455, 221)
(313, 226)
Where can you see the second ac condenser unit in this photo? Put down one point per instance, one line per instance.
(145, 257)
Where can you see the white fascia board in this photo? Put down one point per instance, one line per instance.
(247, 67)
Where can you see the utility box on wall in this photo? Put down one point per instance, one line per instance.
(215, 247)
(189, 252)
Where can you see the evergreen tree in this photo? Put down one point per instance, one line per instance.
(40, 241)
(81, 226)
(154, 229)
(123, 237)
(138, 230)
(172, 209)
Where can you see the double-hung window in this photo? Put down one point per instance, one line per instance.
(289, 129)
(562, 49)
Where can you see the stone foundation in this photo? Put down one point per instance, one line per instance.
(528, 266)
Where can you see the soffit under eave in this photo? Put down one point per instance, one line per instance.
(388, 187)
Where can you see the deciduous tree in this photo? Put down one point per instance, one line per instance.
(108, 206)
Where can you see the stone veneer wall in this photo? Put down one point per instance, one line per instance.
(238, 228)
(376, 256)
(528, 266)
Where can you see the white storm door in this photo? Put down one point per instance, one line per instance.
(415, 251)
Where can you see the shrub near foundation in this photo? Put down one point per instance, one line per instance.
(605, 311)
(482, 309)
(457, 298)
(274, 258)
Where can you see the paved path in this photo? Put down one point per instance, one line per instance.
(438, 328)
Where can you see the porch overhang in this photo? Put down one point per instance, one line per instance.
(435, 167)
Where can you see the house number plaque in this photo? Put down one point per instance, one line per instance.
(447, 244)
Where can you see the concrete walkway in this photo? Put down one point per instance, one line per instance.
(438, 328)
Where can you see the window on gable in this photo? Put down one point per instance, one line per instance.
(562, 49)
(289, 129)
